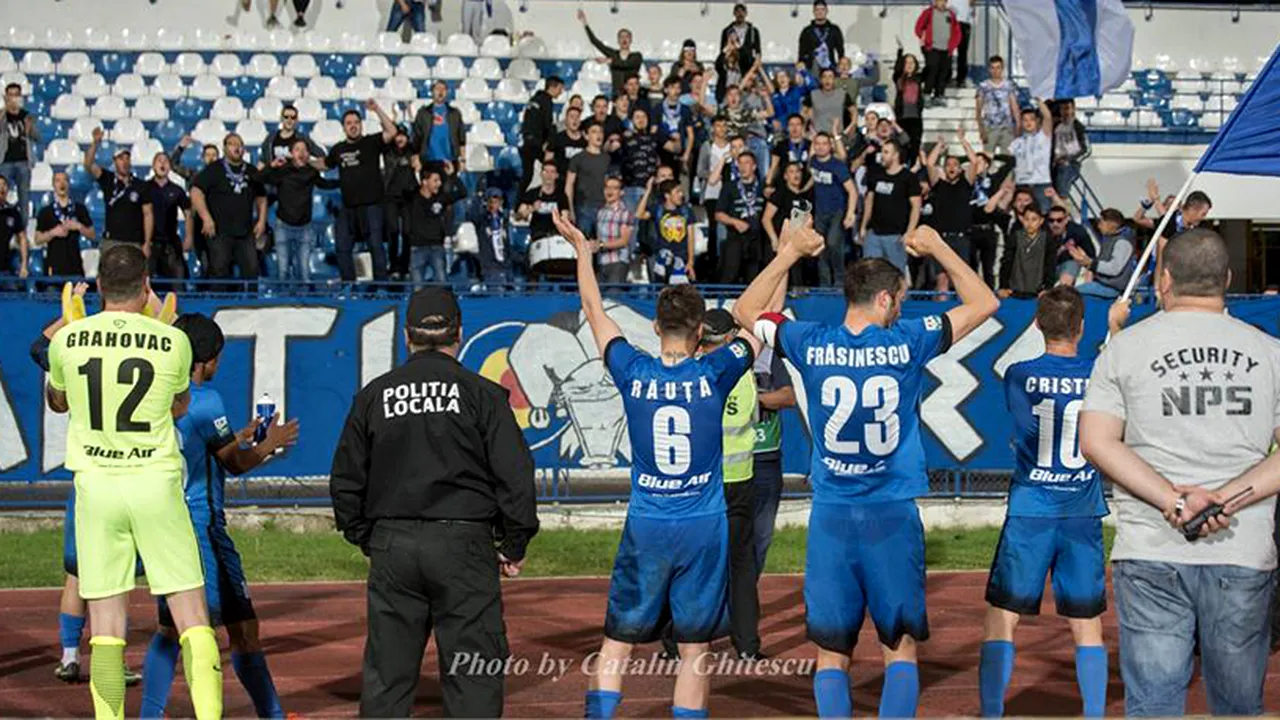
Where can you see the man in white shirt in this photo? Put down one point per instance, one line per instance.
(964, 16)
(1032, 152)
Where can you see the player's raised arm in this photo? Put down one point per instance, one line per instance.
(977, 302)
(764, 294)
(240, 457)
(602, 326)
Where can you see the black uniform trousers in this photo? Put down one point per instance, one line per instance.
(744, 600)
(937, 70)
(434, 576)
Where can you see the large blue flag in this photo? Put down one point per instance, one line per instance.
(1249, 142)
(1072, 48)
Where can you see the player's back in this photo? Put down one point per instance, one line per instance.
(674, 420)
(120, 372)
(1051, 477)
(202, 432)
(863, 399)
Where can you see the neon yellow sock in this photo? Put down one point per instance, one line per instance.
(106, 677)
(202, 665)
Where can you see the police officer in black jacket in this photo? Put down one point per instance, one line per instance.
(537, 128)
(430, 468)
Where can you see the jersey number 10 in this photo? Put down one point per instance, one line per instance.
(138, 373)
(1069, 446)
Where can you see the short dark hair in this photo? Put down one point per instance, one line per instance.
(737, 137)
(896, 146)
(122, 272)
(349, 113)
(869, 277)
(639, 109)
(303, 141)
(599, 97)
(795, 116)
(1198, 263)
(1060, 313)
(822, 133)
(1199, 198)
(826, 70)
(555, 80)
(680, 310)
(572, 109)
(1112, 215)
(1033, 208)
(434, 338)
(995, 59)
(12, 86)
(210, 146)
(671, 80)
(1031, 111)
(666, 186)
(747, 154)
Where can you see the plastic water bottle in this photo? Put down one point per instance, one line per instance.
(266, 412)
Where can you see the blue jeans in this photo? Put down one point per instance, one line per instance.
(1163, 608)
(767, 485)
(585, 216)
(1098, 290)
(1067, 175)
(294, 244)
(760, 148)
(1037, 192)
(889, 247)
(424, 257)
(19, 176)
(358, 224)
(416, 17)
(831, 262)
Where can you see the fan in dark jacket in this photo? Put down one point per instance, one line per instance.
(623, 61)
(821, 42)
(746, 35)
(537, 127)
(1028, 265)
(437, 132)
(493, 231)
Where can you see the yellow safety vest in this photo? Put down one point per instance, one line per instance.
(741, 412)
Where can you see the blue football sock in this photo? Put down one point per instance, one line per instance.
(901, 690)
(602, 703)
(1091, 674)
(994, 670)
(679, 712)
(831, 693)
(252, 670)
(70, 630)
(157, 674)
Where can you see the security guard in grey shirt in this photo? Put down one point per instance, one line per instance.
(430, 468)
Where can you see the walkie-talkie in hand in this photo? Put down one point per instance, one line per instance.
(1191, 530)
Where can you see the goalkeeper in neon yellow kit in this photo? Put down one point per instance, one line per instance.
(123, 377)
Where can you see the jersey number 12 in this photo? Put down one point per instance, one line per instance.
(1069, 454)
(135, 372)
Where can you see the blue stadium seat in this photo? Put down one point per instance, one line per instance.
(194, 268)
(189, 111)
(35, 262)
(321, 268)
(325, 240)
(508, 159)
(96, 205)
(42, 200)
(496, 111)
(1182, 119)
(319, 209)
(338, 109)
(567, 70)
(104, 159)
(269, 264)
(49, 129)
(1153, 81)
(191, 157)
(49, 87)
(81, 180)
(338, 67)
(247, 89)
(38, 107)
(112, 65)
(168, 132)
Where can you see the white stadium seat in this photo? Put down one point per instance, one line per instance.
(570, 49)
(128, 131)
(145, 150)
(263, 66)
(58, 38)
(150, 109)
(16, 77)
(459, 44)
(400, 89)
(7, 63)
(21, 37)
(475, 90)
(283, 87)
(169, 39)
(353, 43)
(512, 91)
(450, 68)
(524, 69)
(207, 88)
(592, 70)
(42, 178)
(129, 86)
(1191, 86)
(324, 89)
(110, 107)
(96, 38)
(81, 131)
(279, 41)
(389, 43)
(318, 42)
(371, 123)
(413, 67)
(246, 40)
(1115, 101)
(466, 108)
(478, 159)
(309, 110)
(252, 131)
(63, 152)
(586, 88)
(209, 132)
(168, 87)
(486, 68)
(301, 66)
(228, 109)
(1087, 102)
(133, 39)
(424, 44)
(35, 62)
(188, 65)
(150, 64)
(376, 67)
(206, 39)
(267, 109)
(1212, 120)
(777, 53)
(487, 133)
(226, 66)
(359, 88)
(91, 85)
(75, 63)
(327, 132)
(1187, 102)
(1106, 119)
(497, 46)
(532, 47)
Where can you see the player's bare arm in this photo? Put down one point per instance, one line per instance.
(1102, 442)
(977, 302)
(762, 295)
(602, 326)
(240, 457)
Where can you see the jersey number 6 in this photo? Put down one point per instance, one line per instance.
(879, 393)
(135, 372)
(672, 452)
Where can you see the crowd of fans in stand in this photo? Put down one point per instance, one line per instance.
(724, 143)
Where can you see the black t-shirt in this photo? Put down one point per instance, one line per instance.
(62, 255)
(166, 201)
(294, 185)
(741, 201)
(892, 209)
(786, 200)
(951, 205)
(230, 195)
(565, 149)
(612, 125)
(11, 223)
(427, 224)
(789, 152)
(124, 201)
(359, 169)
(401, 180)
(280, 147)
(544, 206)
(16, 127)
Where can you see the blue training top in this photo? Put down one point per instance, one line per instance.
(202, 432)
(862, 396)
(674, 422)
(1051, 478)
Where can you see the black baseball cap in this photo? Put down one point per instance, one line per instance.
(433, 308)
(739, 6)
(204, 334)
(718, 322)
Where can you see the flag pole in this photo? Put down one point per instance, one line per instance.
(1155, 239)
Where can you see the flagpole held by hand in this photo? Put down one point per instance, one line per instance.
(1155, 239)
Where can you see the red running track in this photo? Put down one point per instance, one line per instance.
(314, 635)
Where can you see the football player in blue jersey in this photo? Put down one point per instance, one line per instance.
(673, 561)
(862, 381)
(1054, 521)
(210, 450)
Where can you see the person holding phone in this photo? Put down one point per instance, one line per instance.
(794, 201)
